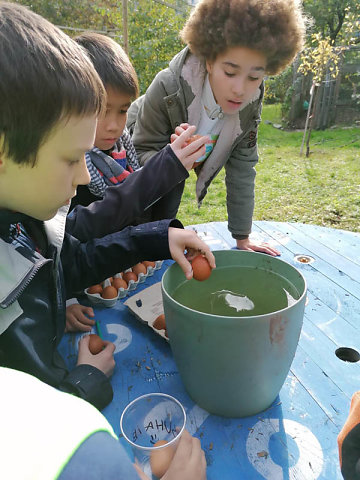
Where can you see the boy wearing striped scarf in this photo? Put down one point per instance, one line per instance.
(113, 159)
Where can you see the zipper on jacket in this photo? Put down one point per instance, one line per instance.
(15, 294)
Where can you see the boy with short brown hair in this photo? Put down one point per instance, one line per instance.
(50, 97)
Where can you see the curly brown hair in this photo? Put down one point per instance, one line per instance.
(276, 28)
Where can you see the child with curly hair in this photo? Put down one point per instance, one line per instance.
(217, 83)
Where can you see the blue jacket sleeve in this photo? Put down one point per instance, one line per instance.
(123, 203)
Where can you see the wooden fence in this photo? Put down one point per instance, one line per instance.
(337, 100)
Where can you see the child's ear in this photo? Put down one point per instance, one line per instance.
(208, 66)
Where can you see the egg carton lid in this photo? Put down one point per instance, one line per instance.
(147, 305)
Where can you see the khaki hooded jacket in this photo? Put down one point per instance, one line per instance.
(174, 97)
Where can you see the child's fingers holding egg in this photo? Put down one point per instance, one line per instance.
(181, 128)
(181, 240)
(202, 249)
(188, 147)
(108, 346)
(183, 135)
(196, 147)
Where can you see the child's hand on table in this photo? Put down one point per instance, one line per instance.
(181, 240)
(247, 244)
(187, 153)
(104, 360)
(189, 461)
(77, 318)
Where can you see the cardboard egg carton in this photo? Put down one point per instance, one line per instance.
(97, 299)
(147, 305)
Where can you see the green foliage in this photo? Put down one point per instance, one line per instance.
(286, 104)
(329, 16)
(153, 38)
(277, 86)
(350, 32)
(79, 14)
(320, 58)
(153, 28)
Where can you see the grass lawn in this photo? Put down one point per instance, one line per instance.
(323, 189)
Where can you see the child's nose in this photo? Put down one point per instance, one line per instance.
(112, 125)
(117, 124)
(83, 175)
(239, 86)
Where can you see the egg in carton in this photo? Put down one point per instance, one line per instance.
(131, 278)
(152, 266)
(159, 326)
(123, 283)
(140, 270)
(147, 307)
(95, 294)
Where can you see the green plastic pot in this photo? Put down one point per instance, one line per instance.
(234, 366)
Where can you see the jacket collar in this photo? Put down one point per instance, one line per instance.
(54, 228)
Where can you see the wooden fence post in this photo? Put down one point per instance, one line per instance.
(312, 92)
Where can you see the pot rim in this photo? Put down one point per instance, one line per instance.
(243, 317)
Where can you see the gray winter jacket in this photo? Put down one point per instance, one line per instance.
(174, 97)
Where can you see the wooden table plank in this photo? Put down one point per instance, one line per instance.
(329, 263)
(341, 241)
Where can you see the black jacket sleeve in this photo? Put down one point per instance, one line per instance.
(30, 343)
(89, 383)
(123, 203)
(91, 262)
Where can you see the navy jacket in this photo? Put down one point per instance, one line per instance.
(35, 280)
(135, 200)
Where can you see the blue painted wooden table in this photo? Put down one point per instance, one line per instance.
(296, 437)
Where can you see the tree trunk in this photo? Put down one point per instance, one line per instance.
(312, 91)
(312, 119)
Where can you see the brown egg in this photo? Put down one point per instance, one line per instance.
(130, 276)
(95, 289)
(193, 138)
(148, 264)
(201, 268)
(139, 268)
(109, 292)
(159, 322)
(160, 459)
(119, 283)
(95, 344)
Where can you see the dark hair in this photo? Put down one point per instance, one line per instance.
(274, 27)
(45, 77)
(111, 62)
